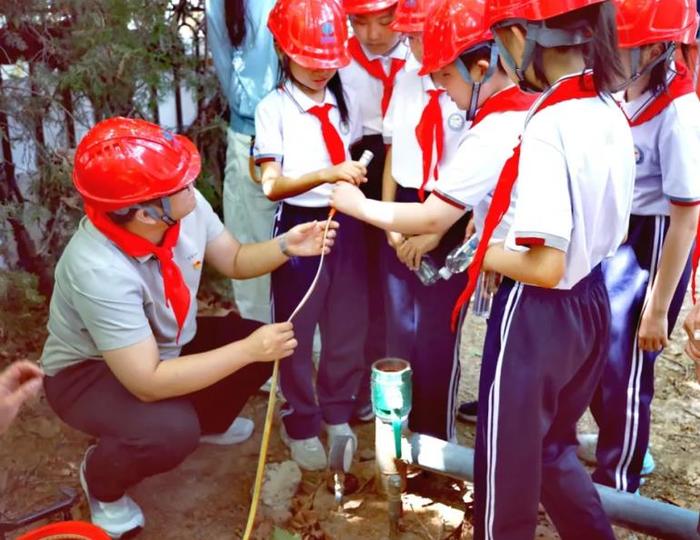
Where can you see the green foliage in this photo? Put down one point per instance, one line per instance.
(23, 314)
(280, 534)
(118, 55)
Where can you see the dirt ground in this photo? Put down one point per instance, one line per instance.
(207, 497)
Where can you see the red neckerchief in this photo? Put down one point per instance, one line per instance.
(511, 99)
(681, 85)
(334, 144)
(430, 132)
(376, 70)
(176, 292)
(571, 88)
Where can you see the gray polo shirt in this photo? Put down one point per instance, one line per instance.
(104, 299)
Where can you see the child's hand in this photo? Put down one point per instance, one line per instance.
(412, 250)
(18, 383)
(347, 199)
(352, 172)
(653, 330)
(395, 239)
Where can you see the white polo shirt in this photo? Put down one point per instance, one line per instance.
(368, 91)
(469, 179)
(104, 299)
(575, 183)
(667, 151)
(286, 133)
(405, 110)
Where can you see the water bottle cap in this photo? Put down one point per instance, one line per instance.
(445, 273)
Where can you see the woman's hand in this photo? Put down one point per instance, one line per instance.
(18, 383)
(271, 342)
(412, 250)
(306, 240)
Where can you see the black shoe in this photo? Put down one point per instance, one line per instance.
(467, 411)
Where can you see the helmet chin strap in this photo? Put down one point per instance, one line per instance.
(165, 216)
(539, 34)
(476, 85)
(635, 61)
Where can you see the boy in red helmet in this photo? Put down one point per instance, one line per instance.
(127, 359)
(378, 55)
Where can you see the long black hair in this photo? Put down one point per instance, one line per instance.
(335, 85)
(601, 51)
(236, 23)
(658, 77)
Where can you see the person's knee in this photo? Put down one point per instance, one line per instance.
(167, 441)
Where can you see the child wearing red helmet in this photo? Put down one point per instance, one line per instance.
(423, 128)
(460, 56)
(648, 276)
(378, 55)
(547, 337)
(303, 133)
(127, 360)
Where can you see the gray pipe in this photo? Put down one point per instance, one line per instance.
(633, 512)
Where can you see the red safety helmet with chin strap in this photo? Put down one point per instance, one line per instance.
(532, 15)
(359, 7)
(313, 33)
(452, 28)
(410, 15)
(531, 10)
(122, 162)
(640, 22)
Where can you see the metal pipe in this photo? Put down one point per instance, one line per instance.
(640, 514)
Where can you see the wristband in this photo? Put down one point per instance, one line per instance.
(284, 248)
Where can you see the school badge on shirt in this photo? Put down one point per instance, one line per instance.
(456, 122)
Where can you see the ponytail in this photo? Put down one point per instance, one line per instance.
(605, 59)
(601, 51)
(236, 21)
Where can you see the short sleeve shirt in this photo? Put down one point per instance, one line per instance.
(575, 183)
(667, 152)
(288, 134)
(408, 102)
(368, 91)
(104, 299)
(470, 177)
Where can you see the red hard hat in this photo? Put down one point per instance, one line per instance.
(121, 162)
(357, 7)
(313, 33)
(410, 15)
(454, 27)
(532, 10)
(640, 22)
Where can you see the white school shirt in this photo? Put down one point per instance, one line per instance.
(470, 177)
(286, 133)
(405, 110)
(368, 91)
(575, 182)
(667, 151)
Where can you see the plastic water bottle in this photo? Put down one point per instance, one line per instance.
(483, 297)
(427, 271)
(459, 258)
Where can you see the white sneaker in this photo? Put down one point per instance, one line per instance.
(240, 430)
(308, 453)
(337, 430)
(587, 444)
(116, 518)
